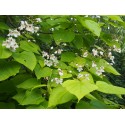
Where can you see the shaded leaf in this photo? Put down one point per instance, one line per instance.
(8, 69)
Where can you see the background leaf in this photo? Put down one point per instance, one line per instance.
(8, 69)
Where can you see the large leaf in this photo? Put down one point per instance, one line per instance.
(63, 36)
(29, 97)
(110, 89)
(4, 53)
(28, 59)
(78, 88)
(8, 69)
(28, 84)
(92, 26)
(42, 72)
(59, 95)
(67, 56)
(115, 17)
(29, 46)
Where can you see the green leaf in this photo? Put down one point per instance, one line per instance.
(87, 78)
(28, 84)
(28, 59)
(29, 46)
(108, 67)
(92, 26)
(78, 60)
(109, 89)
(3, 26)
(63, 36)
(114, 17)
(29, 97)
(42, 72)
(65, 74)
(78, 88)
(67, 56)
(59, 95)
(78, 41)
(8, 69)
(42, 105)
(4, 53)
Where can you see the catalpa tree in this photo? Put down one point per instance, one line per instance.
(60, 61)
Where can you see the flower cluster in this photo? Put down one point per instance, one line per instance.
(59, 51)
(116, 49)
(28, 27)
(111, 58)
(14, 33)
(100, 70)
(79, 67)
(57, 80)
(86, 76)
(95, 52)
(60, 72)
(49, 60)
(38, 20)
(11, 44)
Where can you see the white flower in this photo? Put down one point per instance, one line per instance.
(48, 62)
(95, 52)
(101, 53)
(10, 43)
(60, 72)
(14, 33)
(36, 29)
(59, 51)
(93, 64)
(38, 20)
(109, 54)
(23, 25)
(116, 49)
(53, 57)
(58, 80)
(87, 76)
(79, 68)
(51, 47)
(64, 44)
(100, 71)
(55, 62)
(52, 29)
(44, 54)
(30, 28)
(80, 75)
(55, 52)
(85, 54)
